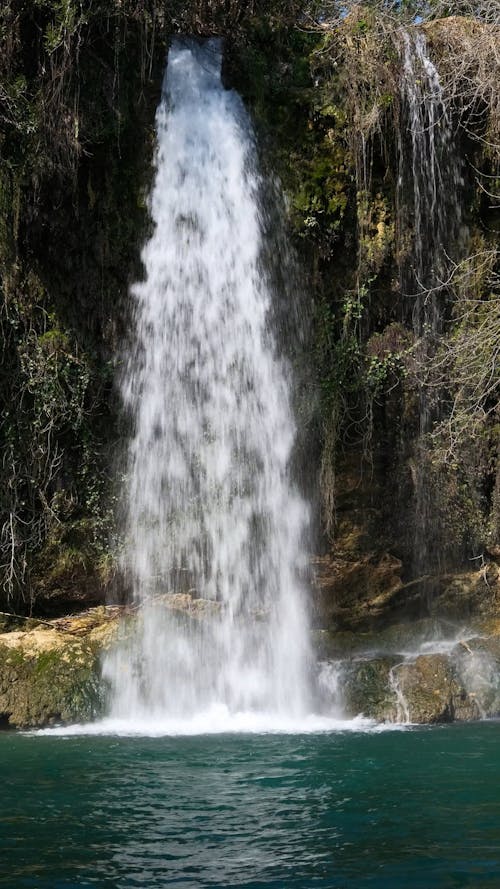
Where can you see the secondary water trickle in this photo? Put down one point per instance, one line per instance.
(431, 176)
(213, 521)
(430, 192)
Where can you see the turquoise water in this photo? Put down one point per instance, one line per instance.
(417, 808)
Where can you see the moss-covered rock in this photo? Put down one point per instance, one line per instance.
(51, 672)
(54, 686)
(432, 688)
(433, 691)
(387, 676)
(366, 689)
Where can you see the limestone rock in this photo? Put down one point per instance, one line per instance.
(352, 591)
(433, 691)
(387, 677)
(50, 672)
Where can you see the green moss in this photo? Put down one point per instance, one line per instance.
(59, 685)
(366, 688)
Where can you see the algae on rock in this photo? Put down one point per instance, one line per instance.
(51, 673)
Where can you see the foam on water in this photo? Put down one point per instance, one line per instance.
(219, 720)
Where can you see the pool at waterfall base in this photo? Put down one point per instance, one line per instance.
(418, 807)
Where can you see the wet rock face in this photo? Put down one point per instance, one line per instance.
(366, 578)
(459, 683)
(365, 689)
(358, 592)
(350, 591)
(433, 691)
(426, 690)
(50, 687)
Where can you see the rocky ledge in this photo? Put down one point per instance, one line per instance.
(50, 671)
(426, 671)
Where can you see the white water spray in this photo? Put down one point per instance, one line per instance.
(211, 511)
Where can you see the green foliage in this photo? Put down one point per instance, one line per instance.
(371, 373)
(387, 355)
(47, 419)
(76, 114)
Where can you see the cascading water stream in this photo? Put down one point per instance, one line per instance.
(211, 511)
(430, 187)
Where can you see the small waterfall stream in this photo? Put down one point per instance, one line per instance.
(433, 177)
(430, 192)
(213, 521)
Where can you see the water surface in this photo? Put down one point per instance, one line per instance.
(416, 808)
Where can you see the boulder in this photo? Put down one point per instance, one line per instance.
(365, 689)
(433, 691)
(50, 672)
(387, 676)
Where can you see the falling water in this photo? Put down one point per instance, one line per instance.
(431, 172)
(215, 529)
(430, 185)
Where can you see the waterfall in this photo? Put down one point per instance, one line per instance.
(215, 528)
(430, 169)
(430, 190)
